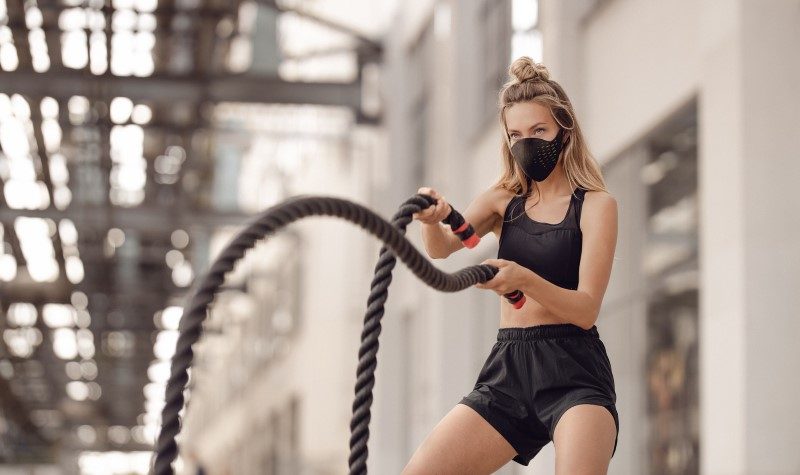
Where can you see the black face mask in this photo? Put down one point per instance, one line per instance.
(537, 157)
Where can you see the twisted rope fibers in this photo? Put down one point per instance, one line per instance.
(265, 224)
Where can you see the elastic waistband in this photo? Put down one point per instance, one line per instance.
(542, 332)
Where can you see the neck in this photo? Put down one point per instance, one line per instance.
(553, 186)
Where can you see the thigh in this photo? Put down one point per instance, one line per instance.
(463, 442)
(584, 440)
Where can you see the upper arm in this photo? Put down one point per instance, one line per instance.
(481, 214)
(599, 229)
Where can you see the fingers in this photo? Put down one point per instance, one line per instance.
(441, 210)
(428, 214)
(437, 211)
(426, 190)
(499, 263)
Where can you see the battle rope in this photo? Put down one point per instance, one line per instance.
(396, 245)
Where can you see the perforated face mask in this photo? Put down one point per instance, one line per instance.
(537, 157)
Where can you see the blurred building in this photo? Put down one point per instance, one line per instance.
(136, 137)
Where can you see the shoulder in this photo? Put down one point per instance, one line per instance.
(494, 197)
(499, 198)
(598, 207)
(599, 196)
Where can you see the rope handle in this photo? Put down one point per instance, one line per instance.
(470, 239)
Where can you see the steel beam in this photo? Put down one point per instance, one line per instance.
(145, 218)
(176, 88)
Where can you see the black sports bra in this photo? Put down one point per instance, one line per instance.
(553, 251)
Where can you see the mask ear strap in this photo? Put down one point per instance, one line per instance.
(562, 133)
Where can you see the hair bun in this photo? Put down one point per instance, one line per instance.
(525, 69)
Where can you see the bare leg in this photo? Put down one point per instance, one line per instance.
(463, 442)
(584, 440)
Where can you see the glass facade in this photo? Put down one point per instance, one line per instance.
(651, 306)
(670, 264)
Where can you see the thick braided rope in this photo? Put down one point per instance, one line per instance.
(269, 221)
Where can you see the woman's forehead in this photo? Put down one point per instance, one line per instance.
(525, 114)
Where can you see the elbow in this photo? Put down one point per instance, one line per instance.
(590, 318)
(455, 246)
(585, 317)
(583, 320)
(452, 247)
(434, 255)
(439, 256)
(442, 254)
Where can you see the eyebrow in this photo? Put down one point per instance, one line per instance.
(534, 125)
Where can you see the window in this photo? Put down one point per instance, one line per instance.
(421, 70)
(486, 65)
(526, 39)
(651, 308)
(495, 16)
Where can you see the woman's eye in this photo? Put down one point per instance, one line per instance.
(515, 135)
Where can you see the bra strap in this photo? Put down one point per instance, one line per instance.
(514, 207)
(578, 203)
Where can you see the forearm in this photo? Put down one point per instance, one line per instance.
(573, 306)
(438, 243)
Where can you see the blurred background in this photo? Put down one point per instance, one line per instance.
(138, 136)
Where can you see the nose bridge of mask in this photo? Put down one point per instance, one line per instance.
(537, 157)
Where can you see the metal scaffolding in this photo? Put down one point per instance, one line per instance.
(126, 285)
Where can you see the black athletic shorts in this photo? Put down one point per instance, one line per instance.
(533, 375)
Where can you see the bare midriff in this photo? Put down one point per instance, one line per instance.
(532, 313)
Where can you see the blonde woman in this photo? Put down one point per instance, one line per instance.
(548, 376)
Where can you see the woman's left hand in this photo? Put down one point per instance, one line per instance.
(509, 278)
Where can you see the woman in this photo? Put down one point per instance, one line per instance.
(548, 376)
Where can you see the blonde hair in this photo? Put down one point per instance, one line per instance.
(530, 81)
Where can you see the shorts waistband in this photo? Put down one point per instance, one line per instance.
(542, 332)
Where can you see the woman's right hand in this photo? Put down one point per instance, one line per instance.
(433, 213)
